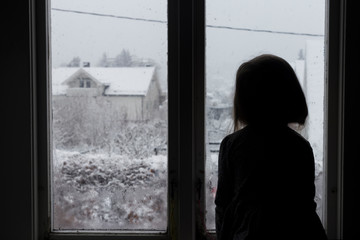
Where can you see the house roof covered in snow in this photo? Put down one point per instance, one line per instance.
(118, 81)
(60, 75)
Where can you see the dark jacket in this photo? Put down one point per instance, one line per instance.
(266, 186)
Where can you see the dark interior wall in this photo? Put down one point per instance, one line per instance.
(352, 123)
(16, 118)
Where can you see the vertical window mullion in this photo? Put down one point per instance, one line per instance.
(173, 116)
(42, 102)
(199, 117)
(186, 115)
(186, 118)
(334, 95)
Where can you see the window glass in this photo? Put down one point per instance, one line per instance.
(237, 31)
(109, 115)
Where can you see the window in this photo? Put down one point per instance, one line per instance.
(240, 30)
(184, 108)
(83, 82)
(107, 173)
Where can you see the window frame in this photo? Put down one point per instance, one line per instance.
(335, 15)
(41, 51)
(334, 119)
(186, 51)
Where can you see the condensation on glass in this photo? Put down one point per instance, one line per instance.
(237, 31)
(109, 115)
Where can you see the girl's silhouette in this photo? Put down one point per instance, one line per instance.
(266, 177)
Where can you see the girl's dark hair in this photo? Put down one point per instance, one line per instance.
(268, 92)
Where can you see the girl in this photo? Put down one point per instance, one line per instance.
(266, 171)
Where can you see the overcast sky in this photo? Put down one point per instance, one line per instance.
(89, 36)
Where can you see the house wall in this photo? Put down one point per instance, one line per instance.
(122, 107)
(131, 107)
(89, 92)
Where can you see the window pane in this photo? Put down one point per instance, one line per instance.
(109, 110)
(237, 31)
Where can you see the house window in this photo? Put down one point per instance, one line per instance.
(109, 169)
(84, 82)
(240, 30)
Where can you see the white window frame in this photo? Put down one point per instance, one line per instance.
(186, 51)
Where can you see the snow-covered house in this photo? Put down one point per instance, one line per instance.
(133, 91)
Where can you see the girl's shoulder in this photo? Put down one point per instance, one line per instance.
(236, 138)
(297, 137)
(255, 135)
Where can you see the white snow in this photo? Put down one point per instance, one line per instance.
(120, 80)
(113, 192)
(124, 81)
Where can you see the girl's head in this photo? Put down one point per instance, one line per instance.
(268, 92)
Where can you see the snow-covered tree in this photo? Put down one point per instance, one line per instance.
(75, 62)
(103, 62)
(123, 59)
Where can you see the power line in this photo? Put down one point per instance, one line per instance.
(208, 25)
(264, 31)
(108, 15)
